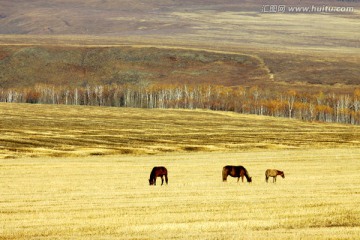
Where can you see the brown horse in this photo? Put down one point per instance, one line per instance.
(273, 173)
(158, 172)
(235, 171)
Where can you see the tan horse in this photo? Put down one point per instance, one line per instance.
(273, 173)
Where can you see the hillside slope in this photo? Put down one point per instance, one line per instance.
(58, 130)
(73, 66)
(26, 66)
(236, 21)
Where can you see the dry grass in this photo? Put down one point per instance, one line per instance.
(82, 194)
(58, 130)
(309, 31)
(109, 197)
(75, 66)
(220, 22)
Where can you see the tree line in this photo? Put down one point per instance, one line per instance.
(331, 107)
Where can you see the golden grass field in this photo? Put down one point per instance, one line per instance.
(109, 197)
(63, 175)
(65, 131)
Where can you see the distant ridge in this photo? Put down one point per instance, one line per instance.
(26, 66)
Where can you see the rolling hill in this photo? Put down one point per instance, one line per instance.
(23, 66)
(26, 66)
(60, 131)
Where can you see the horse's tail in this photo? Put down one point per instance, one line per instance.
(267, 175)
(224, 174)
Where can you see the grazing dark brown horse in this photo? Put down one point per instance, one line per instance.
(158, 172)
(235, 171)
(273, 173)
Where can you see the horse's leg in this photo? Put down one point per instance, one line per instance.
(162, 180)
(242, 178)
(266, 178)
(166, 179)
(275, 179)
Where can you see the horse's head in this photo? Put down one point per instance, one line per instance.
(151, 181)
(282, 174)
(249, 179)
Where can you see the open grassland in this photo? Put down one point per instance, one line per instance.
(58, 130)
(109, 197)
(283, 31)
(221, 22)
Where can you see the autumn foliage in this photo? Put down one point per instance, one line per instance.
(255, 100)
